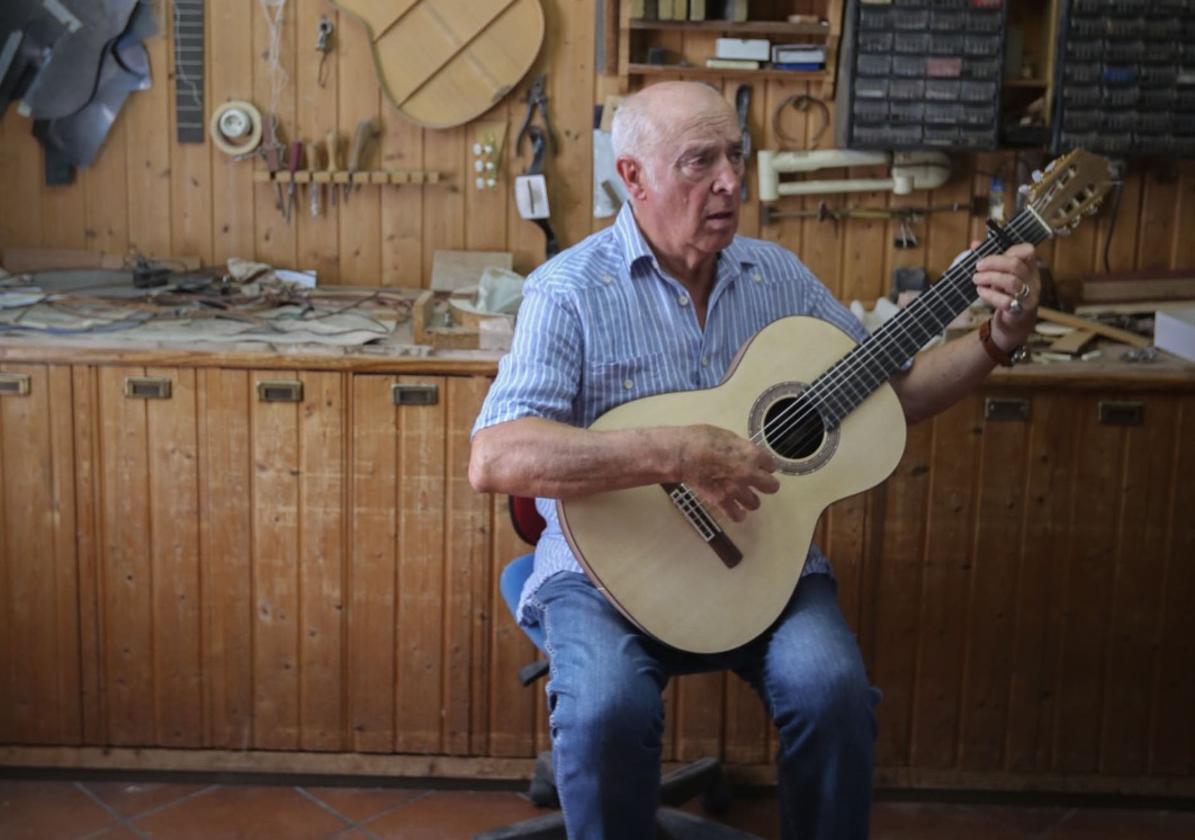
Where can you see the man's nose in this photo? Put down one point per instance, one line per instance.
(728, 177)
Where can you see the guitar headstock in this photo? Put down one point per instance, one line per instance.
(1072, 186)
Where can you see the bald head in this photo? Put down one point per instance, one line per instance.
(657, 115)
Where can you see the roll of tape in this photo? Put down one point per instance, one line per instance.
(233, 121)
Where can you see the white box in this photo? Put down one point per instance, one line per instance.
(751, 49)
(1174, 332)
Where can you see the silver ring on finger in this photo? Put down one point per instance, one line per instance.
(1015, 307)
(1023, 292)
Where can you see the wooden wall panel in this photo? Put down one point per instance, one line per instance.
(39, 617)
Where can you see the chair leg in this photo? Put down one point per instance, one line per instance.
(698, 778)
(542, 790)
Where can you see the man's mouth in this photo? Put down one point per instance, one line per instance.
(721, 215)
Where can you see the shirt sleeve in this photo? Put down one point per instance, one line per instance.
(541, 375)
(822, 304)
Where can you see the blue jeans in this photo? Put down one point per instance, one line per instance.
(607, 714)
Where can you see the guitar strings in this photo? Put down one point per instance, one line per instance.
(870, 350)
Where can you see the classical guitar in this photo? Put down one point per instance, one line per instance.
(822, 405)
(444, 62)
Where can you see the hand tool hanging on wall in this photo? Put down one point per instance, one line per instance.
(366, 130)
(333, 164)
(272, 149)
(323, 43)
(313, 156)
(531, 191)
(292, 166)
(742, 104)
(188, 70)
(537, 99)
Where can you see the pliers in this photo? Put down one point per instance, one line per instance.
(537, 97)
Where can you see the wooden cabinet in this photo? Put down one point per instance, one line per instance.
(221, 581)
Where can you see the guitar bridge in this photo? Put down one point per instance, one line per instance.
(706, 526)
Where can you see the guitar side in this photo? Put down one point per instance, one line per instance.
(654, 566)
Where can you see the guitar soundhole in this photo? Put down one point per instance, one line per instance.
(793, 429)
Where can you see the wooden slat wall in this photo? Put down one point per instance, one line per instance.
(149, 193)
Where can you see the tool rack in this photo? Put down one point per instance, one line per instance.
(372, 176)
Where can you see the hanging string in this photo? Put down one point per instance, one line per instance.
(274, 11)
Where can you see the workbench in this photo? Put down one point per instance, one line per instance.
(297, 577)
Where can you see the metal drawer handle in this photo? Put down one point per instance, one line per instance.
(416, 394)
(14, 384)
(1122, 412)
(1003, 408)
(280, 390)
(147, 387)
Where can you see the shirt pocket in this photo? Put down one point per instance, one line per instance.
(611, 382)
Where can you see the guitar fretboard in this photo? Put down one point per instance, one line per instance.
(856, 375)
(188, 70)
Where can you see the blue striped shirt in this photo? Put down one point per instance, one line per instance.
(602, 324)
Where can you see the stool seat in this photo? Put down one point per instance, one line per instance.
(510, 584)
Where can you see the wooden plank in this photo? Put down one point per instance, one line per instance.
(444, 207)
(190, 163)
(1134, 631)
(321, 560)
(1036, 634)
(1124, 226)
(485, 216)
(1087, 596)
(318, 238)
(233, 202)
(402, 208)
(85, 418)
(1172, 728)
(148, 118)
(21, 167)
(1184, 221)
(467, 582)
(277, 519)
(1156, 230)
(38, 648)
(422, 505)
(359, 217)
(699, 715)
(106, 193)
(372, 617)
(274, 239)
(511, 724)
(990, 611)
(126, 582)
(173, 512)
(895, 546)
(940, 617)
(225, 539)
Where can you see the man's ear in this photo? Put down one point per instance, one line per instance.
(633, 177)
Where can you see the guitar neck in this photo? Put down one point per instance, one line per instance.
(856, 375)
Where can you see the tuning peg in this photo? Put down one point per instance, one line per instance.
(1036, 175)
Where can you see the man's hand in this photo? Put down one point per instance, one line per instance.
(724, 469)
(1002, 279)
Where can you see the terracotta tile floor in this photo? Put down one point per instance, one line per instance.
(124, 810)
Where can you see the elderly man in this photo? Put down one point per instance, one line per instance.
(661, 301)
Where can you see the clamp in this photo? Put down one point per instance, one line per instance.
(537, 97)
(539, 141)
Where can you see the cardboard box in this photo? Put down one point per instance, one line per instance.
(1174, 332)
(747, 49)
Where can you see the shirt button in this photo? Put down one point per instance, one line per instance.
(757, 277)
(607, 279)
(683, 300)
(705, 361)
(628, 384)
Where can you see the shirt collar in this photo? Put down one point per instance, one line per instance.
(635, 247)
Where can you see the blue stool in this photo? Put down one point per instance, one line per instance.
(699, 778)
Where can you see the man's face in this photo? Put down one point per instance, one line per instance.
(693, 181)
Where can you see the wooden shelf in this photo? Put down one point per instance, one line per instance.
(760, 27)
(725, 72)
(1025, 83)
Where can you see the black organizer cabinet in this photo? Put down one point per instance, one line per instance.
(921, 74)
(1125, 77)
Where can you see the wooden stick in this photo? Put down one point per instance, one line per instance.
(1123, 336)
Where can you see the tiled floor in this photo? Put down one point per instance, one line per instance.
(123, 810)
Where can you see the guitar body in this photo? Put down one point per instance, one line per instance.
(653, 564)
(444, 62)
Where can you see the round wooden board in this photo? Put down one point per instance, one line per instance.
(444, 62)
